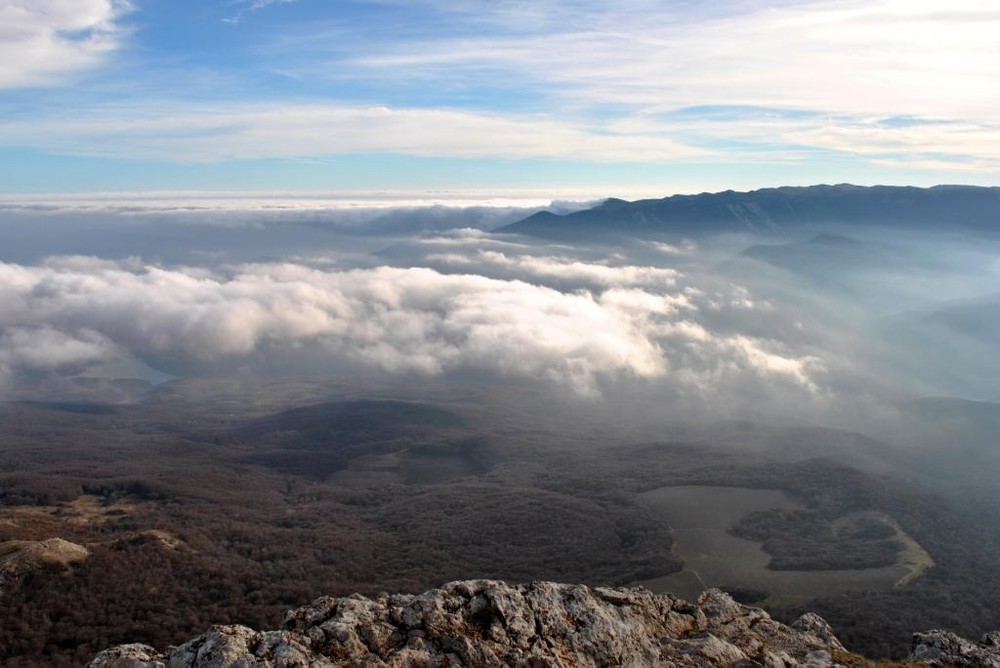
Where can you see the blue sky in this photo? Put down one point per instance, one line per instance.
(631, 97)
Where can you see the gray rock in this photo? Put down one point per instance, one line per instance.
(480, 623)
(814, 625)
(129, 656)
(943, 648)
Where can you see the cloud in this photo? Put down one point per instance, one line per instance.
(773, 134)
(202, 201)
(255, 131)
(44, 41)
(565, 269)
(830, 55)
(903, 85)
(800, 79)
(255, 5)
(399, 320)
(250, 6)
(684, 248)
(321, 229)
(960, 146)
(42, 348)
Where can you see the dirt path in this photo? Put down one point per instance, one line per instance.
(912, 555)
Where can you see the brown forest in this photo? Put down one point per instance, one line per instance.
(208, 503)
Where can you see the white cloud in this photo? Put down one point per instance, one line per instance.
(971, 146)
(208, 206)
(43, 348)
(250, 6)
(685, 248)
(567, 269)
(886, 82)
(886, 56)
(297, 131)
(44, 41)
(771, 134)
(851, 65)
(261, 4)
(400, 320)
(261, 131)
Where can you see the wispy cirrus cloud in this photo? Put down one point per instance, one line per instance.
(847, 56)
(189, 133)
(312, 130)
(795, 135)
(44, 41)
(247, 7)
(793, 79)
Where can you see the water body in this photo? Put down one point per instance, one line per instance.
(130, 368)
(700, 517)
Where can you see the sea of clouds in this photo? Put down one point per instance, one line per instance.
(418, 291)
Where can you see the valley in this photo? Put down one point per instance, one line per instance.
(237, 515)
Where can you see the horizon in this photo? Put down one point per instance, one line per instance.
(378, 199)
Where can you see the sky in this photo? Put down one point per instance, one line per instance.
(631, 98)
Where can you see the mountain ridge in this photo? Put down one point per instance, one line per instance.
(769, 210)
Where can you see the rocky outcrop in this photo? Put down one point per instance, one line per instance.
(490, 623)
(942, 648)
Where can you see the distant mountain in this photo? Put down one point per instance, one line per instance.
(776, 209)
(826, 253)
(959, 440)
(950, 345)
(984, 415)
(977, 319)
(830, 261)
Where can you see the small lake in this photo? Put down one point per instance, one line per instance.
(700, 517)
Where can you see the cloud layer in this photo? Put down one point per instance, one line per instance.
(680, 328)
(71, 312)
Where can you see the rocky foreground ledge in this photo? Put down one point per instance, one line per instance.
(490, 623)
